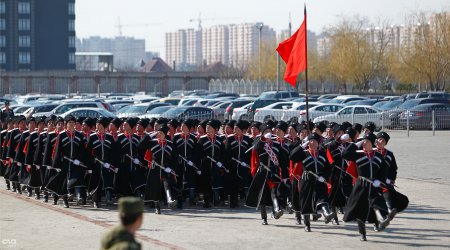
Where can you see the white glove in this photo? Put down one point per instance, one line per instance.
(136, 161)
(116, 170)
(89, 171)
(376, 183)
(76, 162)
(321, 179)
(199, 172)
(190, 163)
(38, 167)
(388, 181)
(106, 165)
(168, 170)
(305, 144)
(19, 164)
(359, 144)
(345, 137)
(244, 164)
(268, 136)
(58, 170)
(219, 164)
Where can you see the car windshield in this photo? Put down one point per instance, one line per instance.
(379, 104)
(390, 105)
(409, 104)
(175, 111)
(160, 110)
(267, 95)
(336, 101)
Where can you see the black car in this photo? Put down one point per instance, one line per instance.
(394, 115)
(181, 113)
(420, 117)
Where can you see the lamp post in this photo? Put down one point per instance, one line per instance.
(259, 26)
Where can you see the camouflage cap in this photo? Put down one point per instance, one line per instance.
(130, 205)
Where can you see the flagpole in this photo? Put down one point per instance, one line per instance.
(306, 73)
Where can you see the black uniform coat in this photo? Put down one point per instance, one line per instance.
(212, 176)
(313, 193)
(187, 147)
(3, 146)
(102, 148)
(71, 176)
(13, 143)
(34, 180)
(48, 141)
(365, 196)
(263, 180)
(158, 154)
(130, 176)
(239, 176)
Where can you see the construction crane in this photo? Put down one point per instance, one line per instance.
(119, 25)
(200, 19)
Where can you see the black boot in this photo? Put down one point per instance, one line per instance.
(335, 219)
(376, 227)
(108, 197)
(157, 208)
(38, 193)
(327, 214)
(382, 220)
(30, 192)
(180, 202)
(55, 199)
(170, 202)
(18, 188)
(392, 213)
(307, 220)
(45, 196)
(298, 218)
(234, 202)
(66, 201)
(216, 197)
(362, 230)
(13, 187)
(8, 185)
(264, 215)
(276, 210)
(192, 201)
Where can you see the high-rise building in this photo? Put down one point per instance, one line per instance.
(215, 44)
(244, 42)
(37, 35)
(128, 52)
(231, 45)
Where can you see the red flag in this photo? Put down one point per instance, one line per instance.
(293, 52)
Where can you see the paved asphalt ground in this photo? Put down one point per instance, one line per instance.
(424, 175)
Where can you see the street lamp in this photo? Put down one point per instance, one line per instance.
(259, 26)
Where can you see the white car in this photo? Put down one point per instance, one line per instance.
(297, 110)
(272, 111)
(358, 114)
(89, 112)
(241, 113)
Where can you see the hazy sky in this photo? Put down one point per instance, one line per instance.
(100, 17)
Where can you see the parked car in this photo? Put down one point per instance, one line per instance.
(357, 114)
(65, 107)
(258, 103)
(242, 112)
(182, 113)
(41, 110)
(157, 112)
(346, 98)
(420, 116)
(390, 105)
(220, 108)
(369, 102)
(89, 112)
(316, 109)
(139, 109)
(235, 104)
(272, 111)
(278, 95)
(394, 115)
